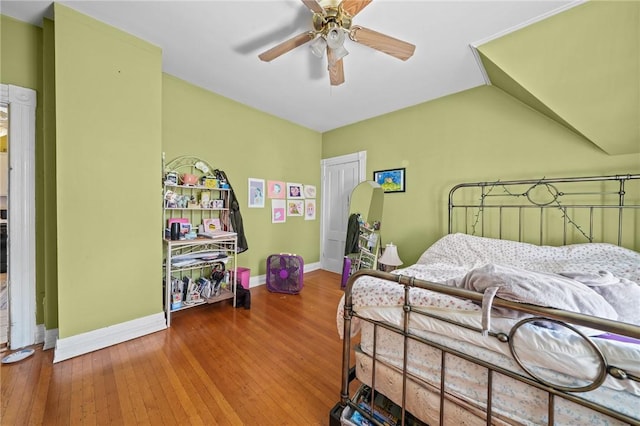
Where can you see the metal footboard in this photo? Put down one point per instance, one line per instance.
(563, 318)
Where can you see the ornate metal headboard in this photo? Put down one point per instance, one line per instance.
(550, 211)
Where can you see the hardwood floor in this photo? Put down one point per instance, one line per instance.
(275, 364)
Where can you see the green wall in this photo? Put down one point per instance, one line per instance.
(246, 143)
(21, 64)
(108, 154)
(579, 67)
(116, 112)
(481, 134)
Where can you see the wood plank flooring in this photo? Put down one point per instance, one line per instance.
(275, 364)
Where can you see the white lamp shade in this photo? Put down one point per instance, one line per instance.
(318, 46)
(338, 53)
(390, 256)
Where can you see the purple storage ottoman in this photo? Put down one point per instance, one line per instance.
(285, 273)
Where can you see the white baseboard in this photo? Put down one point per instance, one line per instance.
(262, 279)
(80, 344)
(40, 332)
(50, 337)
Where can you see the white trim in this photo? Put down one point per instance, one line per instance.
(21, 246)
(90, 341)
(50, 337)
(474, 45)
(361, 158)
(40, 330)
(483, 70)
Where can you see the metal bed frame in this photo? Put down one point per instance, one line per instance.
(609, 193)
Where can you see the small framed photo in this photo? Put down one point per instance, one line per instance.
(295, 207)
(278, 211)
(309, 191)
(185, 228)
(309, 209)
(276, 189)
(294, 190)
(256, 193)
(392, 180)
(171, 178)
(211, 225)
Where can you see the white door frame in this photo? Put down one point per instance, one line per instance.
(361, 158)
(22, 202)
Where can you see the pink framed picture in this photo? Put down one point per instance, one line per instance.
(276, 189)
(278, 211)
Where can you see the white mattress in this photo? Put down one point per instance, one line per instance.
(555, 354)
(513, 400)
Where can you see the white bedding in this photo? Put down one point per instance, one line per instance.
(449, 260)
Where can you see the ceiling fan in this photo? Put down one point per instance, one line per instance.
(331, 24)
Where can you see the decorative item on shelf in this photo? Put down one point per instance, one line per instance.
(209, 182)
(175, 231)
(170, 200)
(202, 166)
(205, 198)
(171, 178)
(189, 179)
(211, 225)
(390, 259)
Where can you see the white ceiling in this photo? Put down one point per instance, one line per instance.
(215, 45)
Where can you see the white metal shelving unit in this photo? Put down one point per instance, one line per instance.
(225, 243)
(197, 257)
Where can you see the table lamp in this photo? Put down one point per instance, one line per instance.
(390, 258)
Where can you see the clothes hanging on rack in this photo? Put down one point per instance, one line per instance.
(353, 232)
(235, 218)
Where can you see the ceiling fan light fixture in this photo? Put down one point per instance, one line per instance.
(337, 54)
(335, 37)
(318, 47)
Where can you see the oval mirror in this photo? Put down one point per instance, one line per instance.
(367, 200)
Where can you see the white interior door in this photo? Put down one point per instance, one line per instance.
(339, 176)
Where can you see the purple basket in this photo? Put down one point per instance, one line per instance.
(285, 273)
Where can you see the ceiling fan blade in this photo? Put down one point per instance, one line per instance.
(314, 6)
(384, 43)
(336, 71)
(286, 46)
(353, 7)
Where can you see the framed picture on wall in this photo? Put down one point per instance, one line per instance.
(278, 211)
(309, 191)
(294, 190)
(309, 209)
(256, 193)
(391, 180)
(295, 207)
(276, 189)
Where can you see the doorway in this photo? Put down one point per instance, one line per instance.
(4, 201)
(21, 241)
(339, 176)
